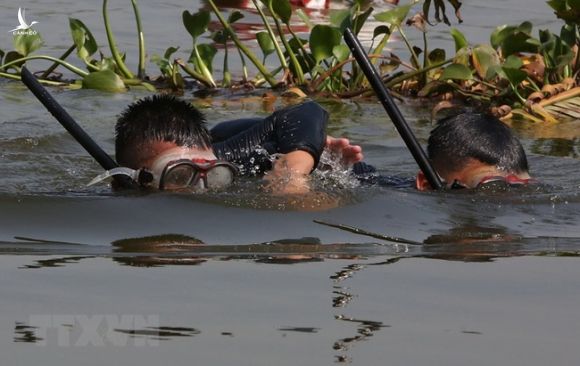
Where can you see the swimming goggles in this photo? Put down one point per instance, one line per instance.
(495, 182)
(196, 174)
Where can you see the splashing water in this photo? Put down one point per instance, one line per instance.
(332, 174)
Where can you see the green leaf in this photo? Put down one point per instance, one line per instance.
(323, 39)
(196, 24)
(361, 19)
(221, 36)
(483, 58)
(83, 39)
(170, 51)
(207, 53)
(12, 56)
(519, 42)
(282, 9)
(340, 19)
(235, 16)
(459, 38)
(266, 43)
(456, 72)
(25, 44)
(515, 76)
(436, 56)
(499, 34)
(394, 16)
(1, 56)
(341, 52)
(381, 29)
(513, 62)
(105, 80)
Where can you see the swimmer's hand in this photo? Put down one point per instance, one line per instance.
(341, 147)
(290, 173)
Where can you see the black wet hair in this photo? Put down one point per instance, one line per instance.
(483, 137)
(158, 118)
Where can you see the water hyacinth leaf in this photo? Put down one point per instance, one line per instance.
(235, 16)
(436, 56)
(394, 16)
(13, 56)
(381, 29)
(499, 34)
(456, 72)
(25, 44)
(483, 58)
(513, 62)
(459, 38)
(265, 42)
(220, 36)
(340, 19)
(83, 39)
(170, 51)
(463, 56)
(107, 63)
(105, 80)
(323, 39)
(569, 35)
(514, 76)
(361, 19)
(282, 9)
(568, 10)
(207, 53)
(341, 52)
(519, 42)
(196, 24)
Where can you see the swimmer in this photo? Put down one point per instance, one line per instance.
(163, 143)
(469, 150)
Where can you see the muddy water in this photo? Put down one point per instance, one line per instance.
(92, 277)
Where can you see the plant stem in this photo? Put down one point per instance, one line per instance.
(242, 47)
(55, 65)
(202, 66)
(415, 73)
(244, 66)
(413, 54)
(114, 51)
(47, 82)
(293, 59)
(141, 67)
(194, 74)
(72, 68)
(272, 36)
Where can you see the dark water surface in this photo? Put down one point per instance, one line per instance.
(92, 277)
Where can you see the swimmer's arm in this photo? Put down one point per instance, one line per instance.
(290, 173)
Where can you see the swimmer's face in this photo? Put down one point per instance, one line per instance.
(159, 157)
(470, 176)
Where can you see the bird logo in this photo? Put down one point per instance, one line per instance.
(23, 25)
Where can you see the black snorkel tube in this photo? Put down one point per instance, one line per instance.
(392, 110)
(72, 127)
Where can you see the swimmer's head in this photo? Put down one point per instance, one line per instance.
(469, 147)
(152, 126)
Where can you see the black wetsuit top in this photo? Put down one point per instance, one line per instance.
(249, 142)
